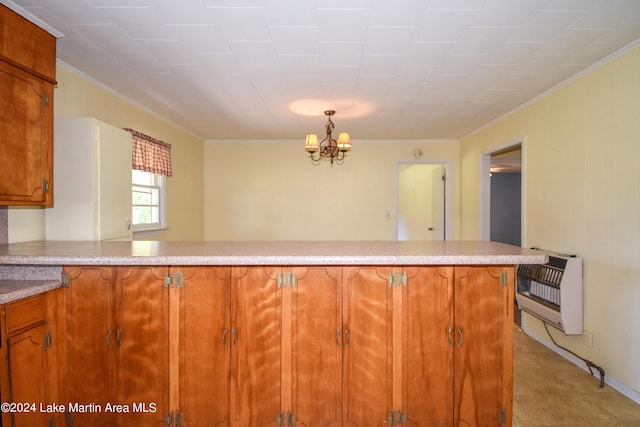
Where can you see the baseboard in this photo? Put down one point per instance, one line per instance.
(608, 379)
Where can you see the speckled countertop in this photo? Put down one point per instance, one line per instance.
(31, 268)
(266, 253)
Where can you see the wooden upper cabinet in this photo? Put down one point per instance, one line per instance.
(26, 45)
(27, 75)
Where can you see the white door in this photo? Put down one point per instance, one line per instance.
(421, 202)
(114, 183)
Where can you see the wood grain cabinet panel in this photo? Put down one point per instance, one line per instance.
(26, 137)
(256, 340)
(314, 355)
(203, 350)
(141, 332)
(27, 367)
(28, 376)
(484, 350)
(368, 346)
(117, 348)
(90, 375)
(27, 76)
(150, 339)
(286, 356)
(427, 355)
(399, 361)
(270, 346)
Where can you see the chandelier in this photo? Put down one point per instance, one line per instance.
(328, 148)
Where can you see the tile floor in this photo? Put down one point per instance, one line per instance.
(550, 391)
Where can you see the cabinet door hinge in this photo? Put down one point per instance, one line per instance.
(179, 419)
(45, 98)
(69, 418)
(174, 280)
(397, 418)
(286, 280)
(502, 417)
(288, 419)
(397, 279)
(45, 184)
(504, 278)
(47, 341)
(65, 279)
(168, 419)
(52, 422)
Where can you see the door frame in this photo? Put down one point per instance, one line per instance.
(485, 188)
(448, 191)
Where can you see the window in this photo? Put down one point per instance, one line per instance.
(148, 203)
(150, 164)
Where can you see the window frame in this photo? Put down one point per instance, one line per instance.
(155, 228)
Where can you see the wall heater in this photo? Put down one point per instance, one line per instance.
(552, 292)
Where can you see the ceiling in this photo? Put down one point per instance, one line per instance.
(267, 69)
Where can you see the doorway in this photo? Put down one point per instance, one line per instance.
(505, 198)
(502, 200)
(421, 202)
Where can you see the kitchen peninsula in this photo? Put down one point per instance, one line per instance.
(268, 333)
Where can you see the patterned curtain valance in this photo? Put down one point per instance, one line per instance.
(150, 154)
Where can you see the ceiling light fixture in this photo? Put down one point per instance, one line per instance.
(328, 148)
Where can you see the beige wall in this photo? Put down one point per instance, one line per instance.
(77, 96)
(582, 195)
(266, 190)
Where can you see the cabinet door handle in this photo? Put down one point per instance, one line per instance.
(234, 334)
(224, 337)
(449, 330)
(108, 338)
(460, 336)
(348, 334)
(338, 338)
(118, 335)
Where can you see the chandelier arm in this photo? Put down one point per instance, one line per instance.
(313, 158)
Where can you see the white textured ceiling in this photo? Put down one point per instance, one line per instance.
(393, 69)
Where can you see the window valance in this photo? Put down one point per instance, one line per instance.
(150, 154)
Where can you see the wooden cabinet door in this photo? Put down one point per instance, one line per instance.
(427, 354)
(26, 137)
(256, 340)
(90, 344)
(204, 346)
(484, 345)
(27, 376)
(314, 358)
(368, 337)
(142, 303)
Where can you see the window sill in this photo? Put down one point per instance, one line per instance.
(149, 232)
